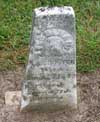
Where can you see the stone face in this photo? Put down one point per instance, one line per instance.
(50, 79)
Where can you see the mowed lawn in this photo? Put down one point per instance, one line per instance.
(16, 24)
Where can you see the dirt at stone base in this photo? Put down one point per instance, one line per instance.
(88, 85)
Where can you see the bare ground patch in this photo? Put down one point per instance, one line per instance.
(88, 100)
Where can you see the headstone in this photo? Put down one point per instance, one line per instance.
(50, 79)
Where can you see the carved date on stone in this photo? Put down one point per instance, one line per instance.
(50, 72)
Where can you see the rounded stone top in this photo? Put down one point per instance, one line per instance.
(43, 11)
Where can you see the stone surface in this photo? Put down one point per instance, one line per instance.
(13, 98)
(50, 79)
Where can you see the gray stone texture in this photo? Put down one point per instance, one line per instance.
(50, 79)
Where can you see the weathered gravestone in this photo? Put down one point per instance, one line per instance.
(50, 79)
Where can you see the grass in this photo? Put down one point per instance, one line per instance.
(15, 27)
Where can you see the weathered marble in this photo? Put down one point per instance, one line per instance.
(12, 98)
(50, 79)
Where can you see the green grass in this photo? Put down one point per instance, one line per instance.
(15, 27)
